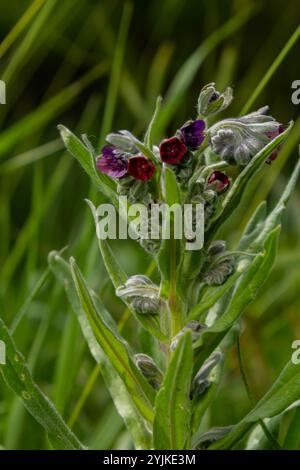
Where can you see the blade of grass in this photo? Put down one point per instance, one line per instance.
(271, 70)
(187, 72)
(18, 28)
(268, 434)
(31, 156)
(17, 376)
(116, 72)
(47, 111)
(29, 40)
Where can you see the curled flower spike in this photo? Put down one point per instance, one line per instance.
(219, 180)
(211, 101)
(141, 168)
(238, 140)
(192, 133)
(272, 135)
(172, 150)
(112, 162)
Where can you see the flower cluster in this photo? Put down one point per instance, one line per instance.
(117, 160)
(196, 153)
(234, 140)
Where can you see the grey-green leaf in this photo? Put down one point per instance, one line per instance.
(86, 159)
(119, 393)
(115, 349)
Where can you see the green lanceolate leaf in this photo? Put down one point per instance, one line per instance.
(119, 277)
(115, 349)
(236, 192)
(18, 377)
(125, 405)
(249, 283)
(284, 392)
(171, 428)
(244, 293)
(103, 182)
(254, 226)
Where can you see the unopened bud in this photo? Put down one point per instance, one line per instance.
(211, 101)
(149, 369)
(196, 329)
(201, 381)
(122, 141)
(142, 294)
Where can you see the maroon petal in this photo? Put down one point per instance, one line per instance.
(141, 168)
(219, 180)
(271, 136)
(172, 150)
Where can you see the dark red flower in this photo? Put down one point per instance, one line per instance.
(272, 136)
(112, 162)
(192, 133)
(172, 150)
(141, 168)
(219, 180)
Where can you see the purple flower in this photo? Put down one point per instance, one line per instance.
(192, 133)
(112, 162)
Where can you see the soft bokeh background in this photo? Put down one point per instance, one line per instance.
(70, 62)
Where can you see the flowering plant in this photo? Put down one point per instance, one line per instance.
(194, 315)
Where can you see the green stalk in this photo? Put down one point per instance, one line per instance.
(271, 70)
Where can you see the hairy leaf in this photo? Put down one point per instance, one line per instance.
(119, 393)
(172, 428)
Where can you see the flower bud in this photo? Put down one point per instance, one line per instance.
(122, 141)
(211, 101)
(149, 369)
(217, 247)
(219, 273)
(196, 329)
(219, 181)
(201, 381)
(142, 294)
(213, 435)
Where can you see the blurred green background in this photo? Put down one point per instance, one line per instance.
(96, 66)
